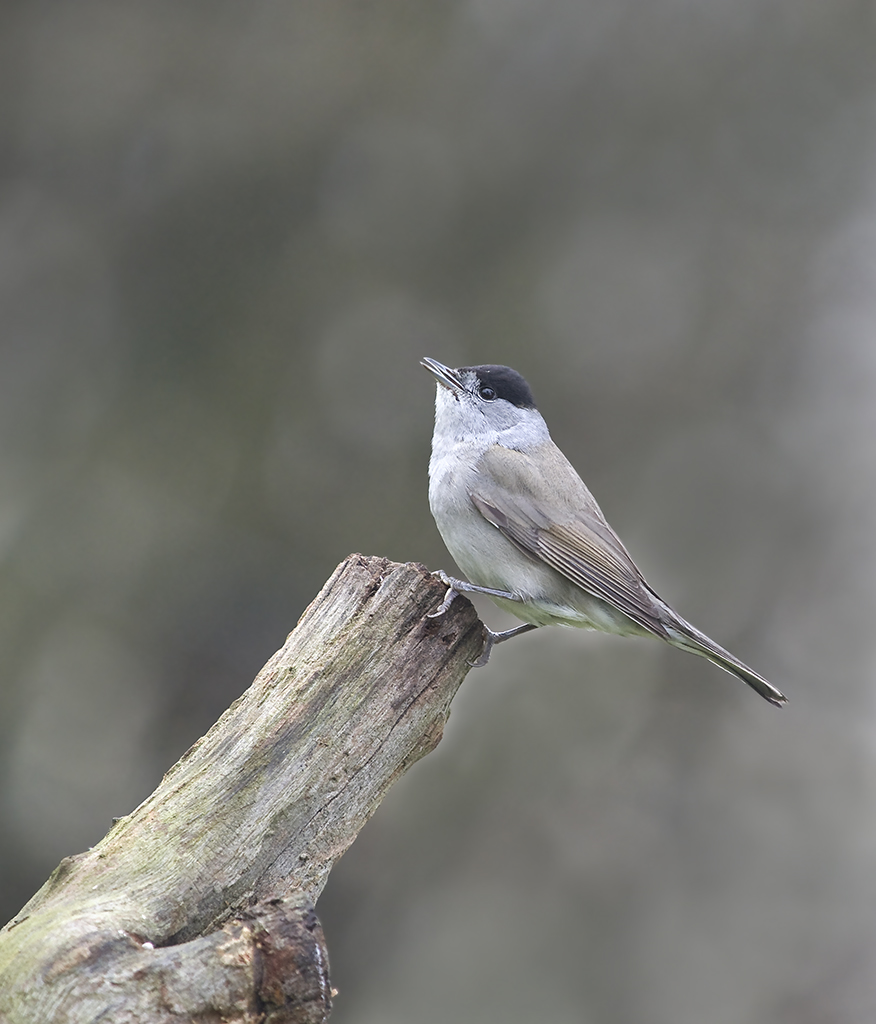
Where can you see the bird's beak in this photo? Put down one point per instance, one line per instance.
(446, 377)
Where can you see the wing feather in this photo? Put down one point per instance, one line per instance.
(581, 545)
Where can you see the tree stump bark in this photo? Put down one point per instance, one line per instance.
(198, 906)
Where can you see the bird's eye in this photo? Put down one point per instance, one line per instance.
(487, 393)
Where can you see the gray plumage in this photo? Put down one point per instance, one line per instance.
(519, 520)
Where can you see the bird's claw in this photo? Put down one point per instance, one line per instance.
(449, 598)
(489, 644)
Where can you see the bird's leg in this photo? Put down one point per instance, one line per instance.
(497, 638)
(455, 587)
(461, 587)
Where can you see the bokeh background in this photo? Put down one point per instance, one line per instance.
(228, 232)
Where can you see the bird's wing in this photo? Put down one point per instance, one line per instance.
(575, 540)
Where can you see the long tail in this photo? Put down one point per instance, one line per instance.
(688, 638)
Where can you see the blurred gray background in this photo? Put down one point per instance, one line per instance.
(228, 233)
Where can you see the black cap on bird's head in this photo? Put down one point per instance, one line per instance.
(489, 382)
(506, 383)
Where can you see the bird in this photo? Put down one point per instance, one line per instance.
(523, 527)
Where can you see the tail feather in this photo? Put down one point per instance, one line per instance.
(688, 638)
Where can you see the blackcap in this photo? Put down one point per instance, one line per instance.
(525, 530)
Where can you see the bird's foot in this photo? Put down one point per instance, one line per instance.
(454, 589)
(498, 638)
(449, 597)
